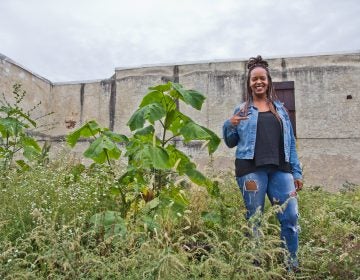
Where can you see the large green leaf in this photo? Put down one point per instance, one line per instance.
(146, 131)
(132, 175)
(151, 112)
(141, 137)
(194, 98)
(109, 222)
(151, 205)
(169, 103)
(214, 141)
(211, 218)
(193, 131)
(10, 126)
(31, 148)
(196, 176)
(162, 88)
(31, 153)
(154, 112)
(89, 129)
(180, 159)
(116, 137)
(175, 121)
(154, 96)
(31, 142)
(191, 97)
(101, 148)
(174, 199)
(150, 223)
(23, 165)
(156, 157)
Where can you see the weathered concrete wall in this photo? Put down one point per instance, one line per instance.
(37, 88)
(330, 162)
(74, 104)
(322, 84)
(328, 129)
(327, 97)
(131, 86)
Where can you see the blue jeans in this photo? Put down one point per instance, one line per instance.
(279, 187)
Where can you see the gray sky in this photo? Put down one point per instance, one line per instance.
(67, 40)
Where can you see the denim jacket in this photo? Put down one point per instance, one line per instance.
(244, 136)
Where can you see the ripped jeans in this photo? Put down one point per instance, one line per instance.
(279, 186)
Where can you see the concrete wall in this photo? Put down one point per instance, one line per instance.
(327, 99)
(327, 122)
(76, 103)
(37, 88)
(131, 86)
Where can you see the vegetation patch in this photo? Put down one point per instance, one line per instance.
(158, 217)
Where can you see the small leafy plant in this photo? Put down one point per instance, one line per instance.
(14, 126)
(154, 161)
(157, 125)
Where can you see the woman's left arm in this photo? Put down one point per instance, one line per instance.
(294, 161)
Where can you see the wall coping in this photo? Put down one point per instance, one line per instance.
(354, 52)
(9, 60)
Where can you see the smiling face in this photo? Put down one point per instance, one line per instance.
(259, 82)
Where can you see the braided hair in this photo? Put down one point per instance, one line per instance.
(253, 63)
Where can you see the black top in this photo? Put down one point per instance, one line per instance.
(269, 147)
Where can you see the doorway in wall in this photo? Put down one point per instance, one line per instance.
(285, 91)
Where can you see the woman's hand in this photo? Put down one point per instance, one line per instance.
(298, 184)
(235, 119)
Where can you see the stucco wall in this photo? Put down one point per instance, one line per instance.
(327, 99)
(74, 104)
(131, 86)
(327, 121)
(37, 88)
(328, 127)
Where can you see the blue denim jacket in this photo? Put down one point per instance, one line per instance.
(244, 136)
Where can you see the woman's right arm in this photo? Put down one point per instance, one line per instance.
(230, 134)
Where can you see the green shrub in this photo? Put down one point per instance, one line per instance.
(15, 124)
(68, 221)
(46, 232)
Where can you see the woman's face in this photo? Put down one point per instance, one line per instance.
(259, 82)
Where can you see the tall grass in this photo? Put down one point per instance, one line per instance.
(45, 233)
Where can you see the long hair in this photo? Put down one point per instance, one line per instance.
(252, 63)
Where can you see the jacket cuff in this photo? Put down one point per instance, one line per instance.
(228, 125)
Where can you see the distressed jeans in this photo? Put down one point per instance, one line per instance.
(279, 187)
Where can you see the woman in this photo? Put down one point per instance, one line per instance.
(266, 158)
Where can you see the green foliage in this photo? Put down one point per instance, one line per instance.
(108, 224)
(160, 105)
(68, 221)
(64, 220)
(14, 127)
(61, 222)
(151, 149)
(331, 233)
(104, 147)
(154, 162)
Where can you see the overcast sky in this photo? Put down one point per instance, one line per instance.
(70, 40)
